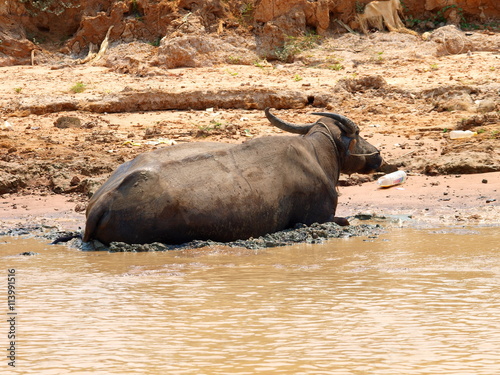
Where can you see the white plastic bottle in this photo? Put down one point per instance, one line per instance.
(456, 134)
(391, 179)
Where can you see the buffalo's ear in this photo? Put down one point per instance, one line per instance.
(352, 145)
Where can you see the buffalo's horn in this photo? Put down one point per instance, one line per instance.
(287, 126)
(348, 126)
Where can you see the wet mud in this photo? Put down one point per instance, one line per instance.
(301, 233)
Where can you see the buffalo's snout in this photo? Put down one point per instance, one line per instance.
(364, 158)
(373, 162)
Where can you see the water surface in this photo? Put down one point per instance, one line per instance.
(409, 302)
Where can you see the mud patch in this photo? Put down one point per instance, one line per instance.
(313, 234)
(301, 233)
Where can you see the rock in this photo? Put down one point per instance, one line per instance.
(203, 50)
(466, 162)
(65, 122)
(272, 36)
(15, 49)
(10, 183)
(486, 105)
(451, 41)
(95, 24)
(454, 101)
(481, 8)
(478, 120)
(315, 13)
(80, 207)
(75, 181)
(361, 84)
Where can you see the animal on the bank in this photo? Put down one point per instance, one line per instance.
(380, 12)
(226, 192)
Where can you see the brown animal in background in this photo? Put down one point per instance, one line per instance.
(377, 13)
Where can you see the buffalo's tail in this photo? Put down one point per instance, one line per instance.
(94, 216)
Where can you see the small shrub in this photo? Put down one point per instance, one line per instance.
(34, 7)
(156, 42)
(336, 66)
(295, 45)
(78, 87)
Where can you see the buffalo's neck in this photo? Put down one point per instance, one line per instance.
(327, 153)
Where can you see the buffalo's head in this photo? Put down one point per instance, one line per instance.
(356, 154)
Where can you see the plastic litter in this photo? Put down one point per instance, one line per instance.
(6, 126)
(456, 134)
(391, 179)
(166, 141)
(131, 143)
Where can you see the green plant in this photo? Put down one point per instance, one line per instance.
(360, 7)
(156, 42)
(134, 10)
(18, 90)
(434, 66)
(232, 73)
(246, 13)
(378, 57)
(216, 124)
(297, 78)
(213, 125)
(295, 45)
(440, 15)
(35, 39)
(262, 64)
(57, 7)
(78, 87)
(336, 66)
(247, 8)
(234, 60)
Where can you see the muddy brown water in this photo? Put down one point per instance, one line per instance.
(412, 301)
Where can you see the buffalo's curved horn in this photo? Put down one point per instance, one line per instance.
(287, 126)
(348, 126)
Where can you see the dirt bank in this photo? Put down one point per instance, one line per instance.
(66, 127)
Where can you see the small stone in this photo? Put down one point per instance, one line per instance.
(75, 181)
(65, 122)
(80, 207)
(28, 253)
(484, 181)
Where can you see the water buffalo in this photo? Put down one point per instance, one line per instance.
(226, 192)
